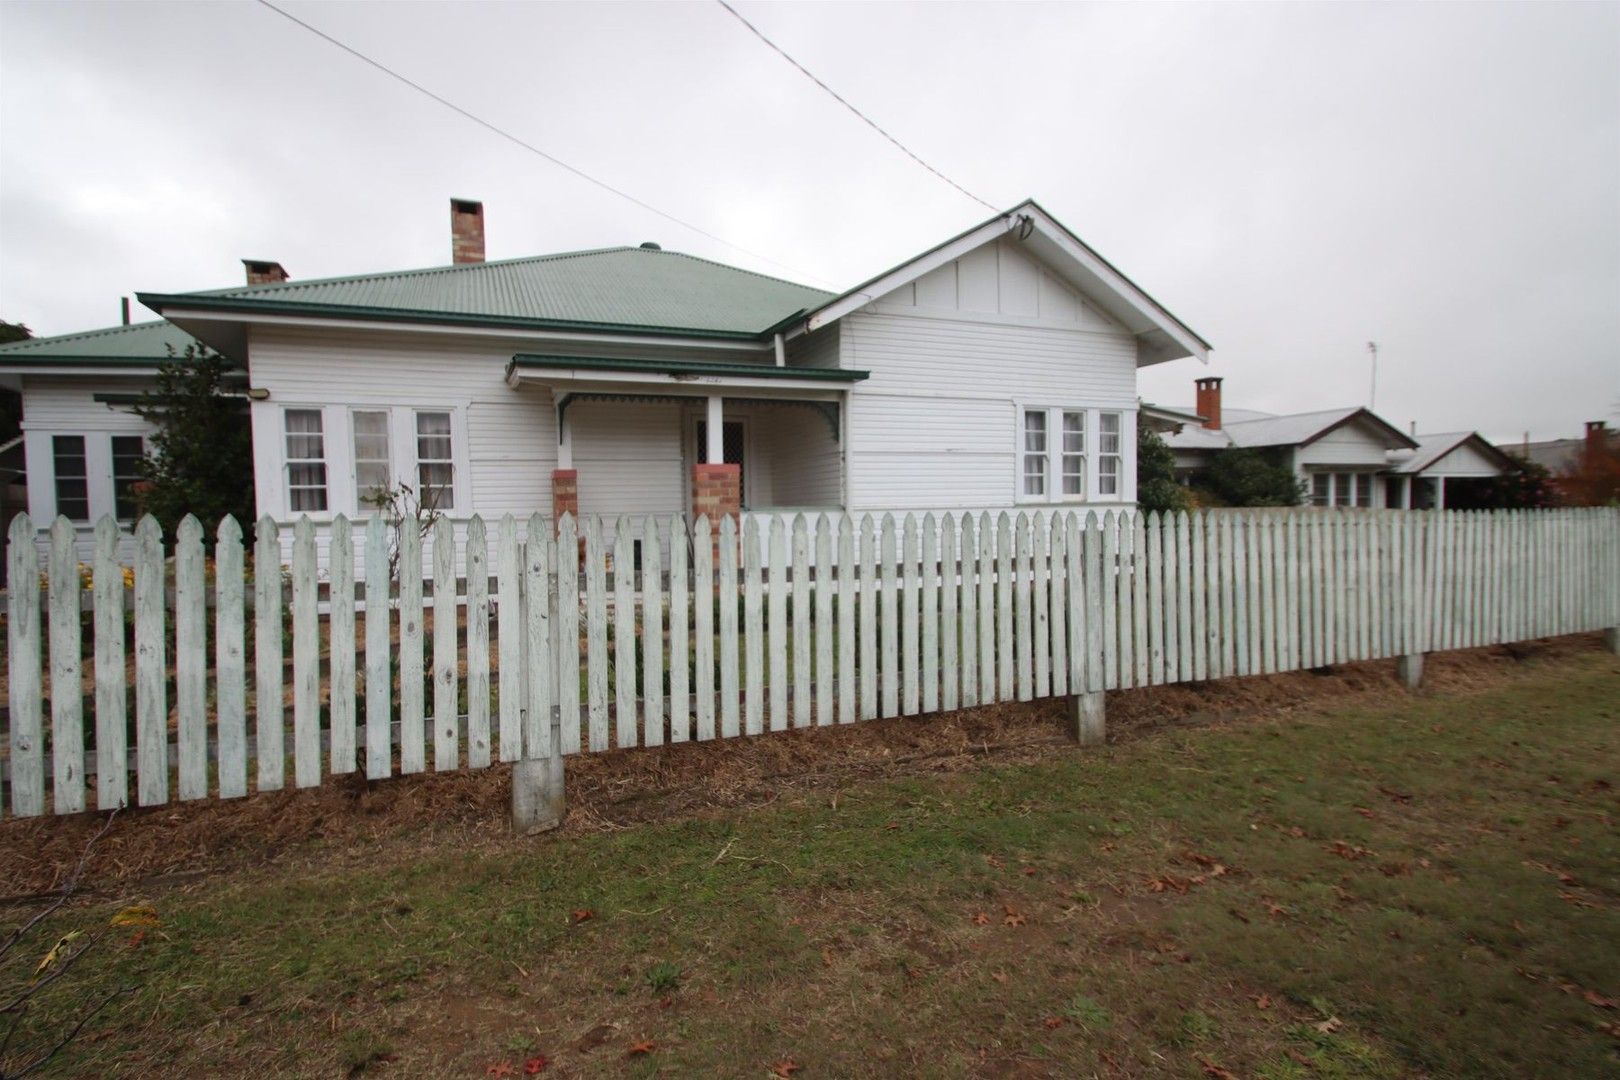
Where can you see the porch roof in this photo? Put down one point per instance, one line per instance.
(693, 375)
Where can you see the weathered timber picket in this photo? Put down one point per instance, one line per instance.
(661, 631)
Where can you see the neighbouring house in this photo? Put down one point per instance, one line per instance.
(1584, 470)
(997, 370)
(1344, 457)
(82, 442)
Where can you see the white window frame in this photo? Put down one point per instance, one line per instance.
(325, 460)
(1092, 455)
(342, 485)
(361, 507)
(457, 465)
(1118, 456)
(112, 461)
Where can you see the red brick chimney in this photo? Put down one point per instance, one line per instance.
(1597, 433)
(263, 272)
(1209, 402)
(466, 231)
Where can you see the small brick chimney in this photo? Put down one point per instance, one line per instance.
(1597, 433)
(263, 272)
(1209, 402)
(466, 231)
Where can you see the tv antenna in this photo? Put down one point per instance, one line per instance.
(1372, 394)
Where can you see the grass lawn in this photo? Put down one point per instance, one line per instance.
(1421, 886)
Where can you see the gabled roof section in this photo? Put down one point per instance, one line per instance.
(1302, 429)
(143, 345)
(1432, 448)
(1160, 335)
(623, 289)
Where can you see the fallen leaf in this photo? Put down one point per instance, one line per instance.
(1262, 1002)
(501, 1068)
(645, 1046)
(1275, 910)
(1330, 1025)
(1053, 1022)
(1013, 917)
(1597, 1000)
(785, 1067)
(1107, 845)
(995, 862)
(1029, 871)
(583, 914)
(981, 919)
(1364, 812)
(1348, 851)
(1297, 832)
(999, 976)
(139, 915)
(136, 938)
(1212, 1069)
(534, 1065)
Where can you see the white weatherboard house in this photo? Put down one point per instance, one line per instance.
(1348, 456)
(994, 371)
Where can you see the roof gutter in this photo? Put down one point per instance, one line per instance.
(158, 302)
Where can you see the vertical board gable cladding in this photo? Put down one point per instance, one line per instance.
(997, 279)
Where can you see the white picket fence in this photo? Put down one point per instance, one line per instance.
(815, 624)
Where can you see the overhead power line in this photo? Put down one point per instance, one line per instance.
(836, 96)
(530, 147)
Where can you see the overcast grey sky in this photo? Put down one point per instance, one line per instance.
(1291, 180)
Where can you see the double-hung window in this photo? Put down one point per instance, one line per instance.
(128, 451)
(1074, 453)
(373, 471)
(72, 477)
(1035, 453)
(1364, 489)
(306, 460)
(435, 460)
(1322, 489)
(1110, 453)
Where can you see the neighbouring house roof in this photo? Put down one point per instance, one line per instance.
(624, 289)
(141, 346)
(1554, 455)
(1160, 334)
(1431, 448)
(1167, 419)
(1247, 428)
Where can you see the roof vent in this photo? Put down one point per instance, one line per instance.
(650, 246)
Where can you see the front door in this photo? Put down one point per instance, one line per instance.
(733, 438)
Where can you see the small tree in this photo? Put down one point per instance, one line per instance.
(201, 460)
(1243, 476)
(403, 509)
(1156, 487)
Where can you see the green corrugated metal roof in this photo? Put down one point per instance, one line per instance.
(143, 345)
(687, 367)
(625, 288)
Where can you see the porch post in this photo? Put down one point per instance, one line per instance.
(715, 452)
(1440, 493)
(1406, 491)
(564, 478)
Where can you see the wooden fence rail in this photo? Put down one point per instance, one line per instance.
(604, 640)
